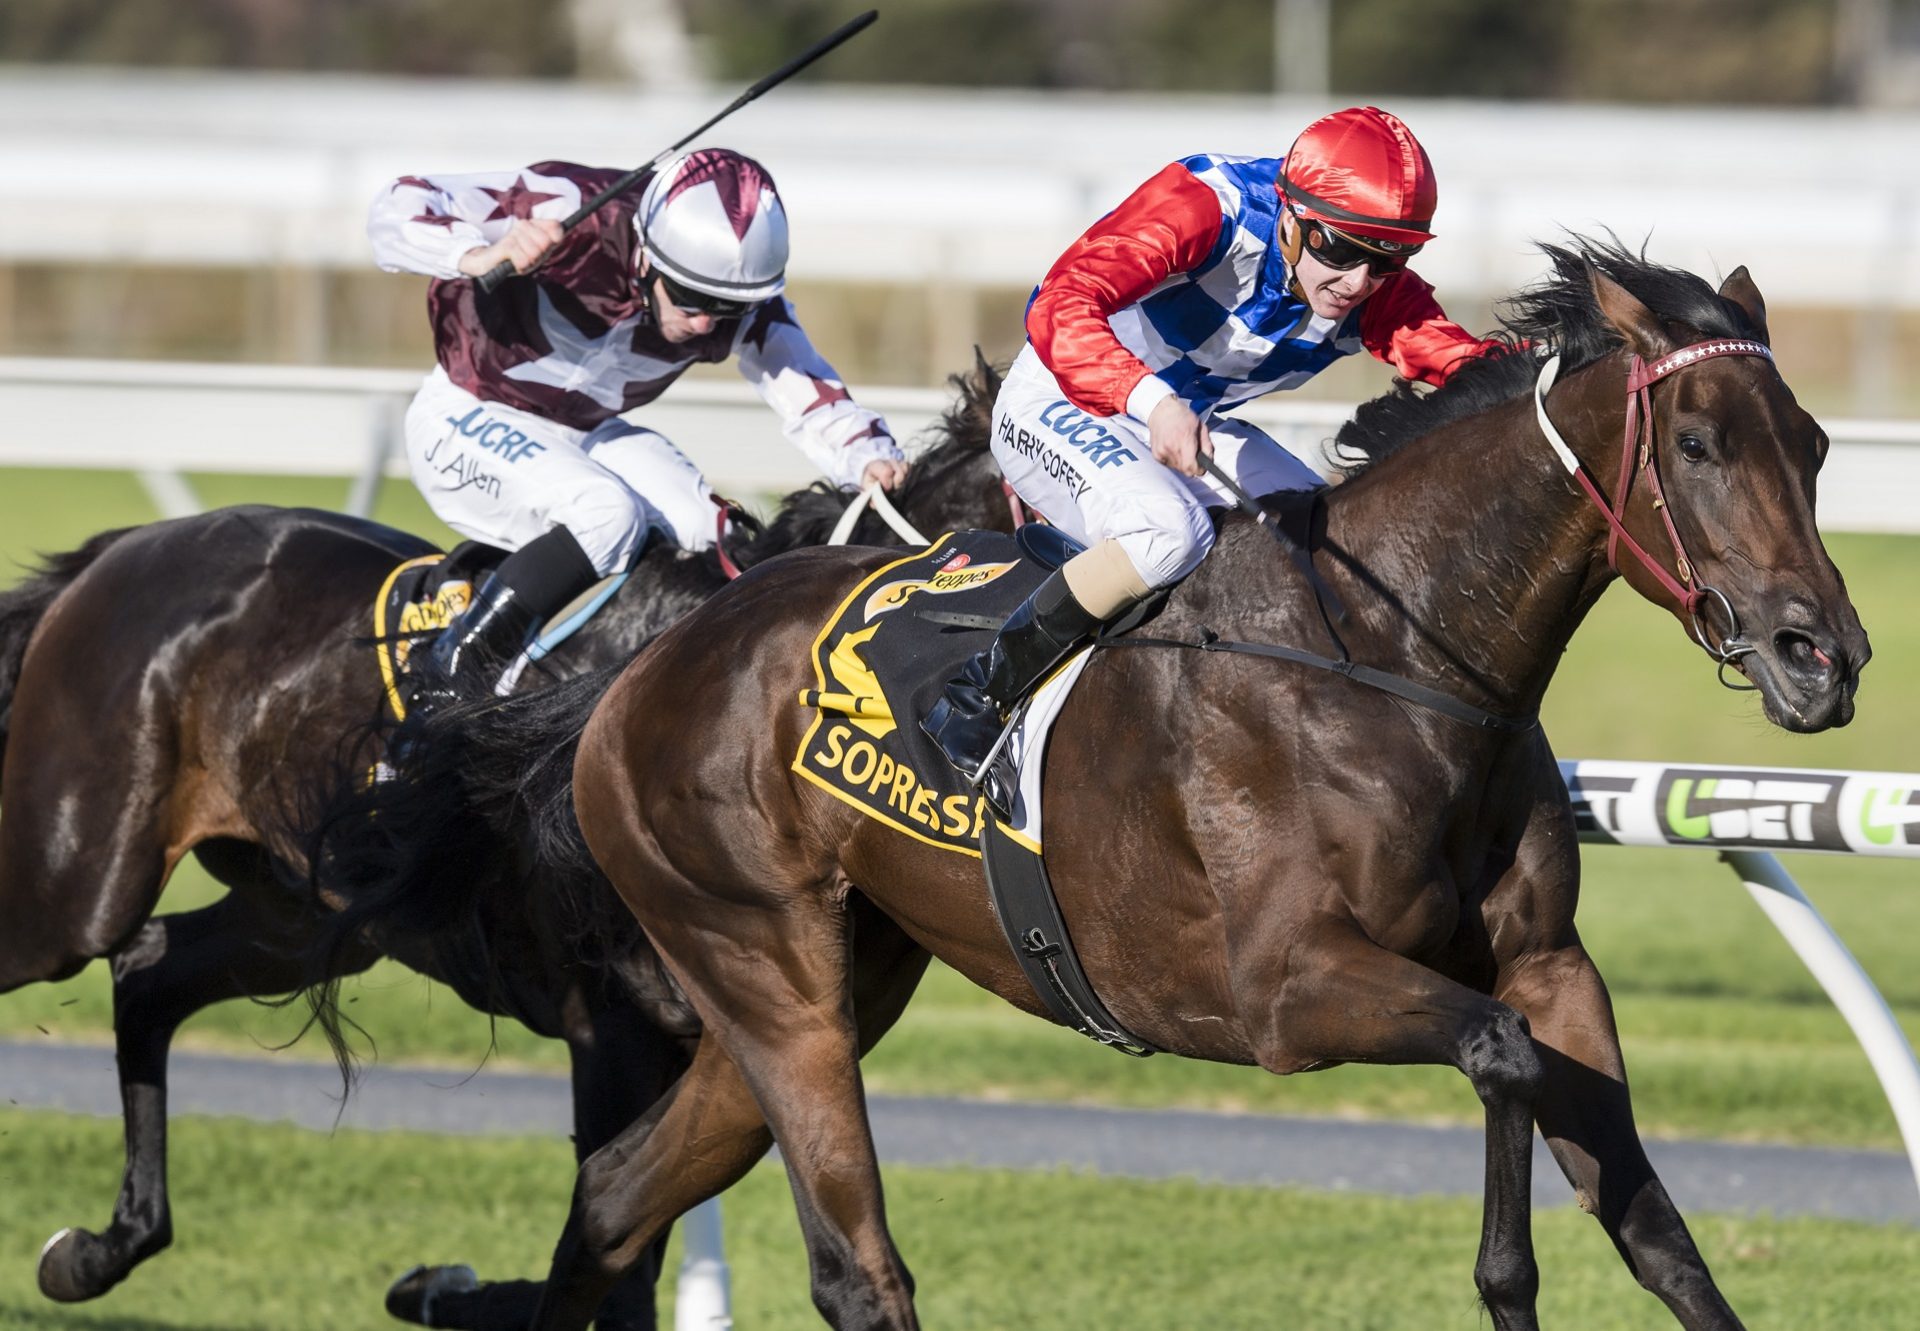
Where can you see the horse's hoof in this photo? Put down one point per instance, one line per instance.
(69, 1269)
(410, 1298)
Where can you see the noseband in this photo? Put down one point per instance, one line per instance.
(1639, 439)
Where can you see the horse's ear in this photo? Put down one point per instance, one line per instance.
(1739, 289)
(1636, 323)
(985, 373)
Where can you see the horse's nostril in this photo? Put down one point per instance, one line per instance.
(1802, 655)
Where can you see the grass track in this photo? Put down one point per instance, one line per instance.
(988, 1248)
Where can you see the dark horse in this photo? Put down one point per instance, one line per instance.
(163, 688)
(1289, 869)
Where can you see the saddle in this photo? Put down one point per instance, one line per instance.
(880, 662)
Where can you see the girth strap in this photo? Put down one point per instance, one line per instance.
(1029, 916)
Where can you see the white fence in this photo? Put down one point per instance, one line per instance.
(163, 419)
(1746, 814)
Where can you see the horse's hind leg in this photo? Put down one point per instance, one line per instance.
(79, 872)
(795, 1019)
(622, 1065)
(1347, 999)
(175, 966)
(794, 1014)
(1586, 1115)
(700, 1139)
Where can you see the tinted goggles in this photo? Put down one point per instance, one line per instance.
(688, 301)
(1341, 252)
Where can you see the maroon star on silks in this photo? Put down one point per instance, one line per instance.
(436, 219)
(872, 431)
(416, 181)
(770, 314)
(738, 181)
(828, 393)
(516, 200)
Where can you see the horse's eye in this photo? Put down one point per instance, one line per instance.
(1692, 449)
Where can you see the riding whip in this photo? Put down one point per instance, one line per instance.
(501, 271)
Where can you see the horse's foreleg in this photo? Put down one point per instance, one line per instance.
(1586, 1116)
(1347, 999)
(175, 966)
(698, 1140)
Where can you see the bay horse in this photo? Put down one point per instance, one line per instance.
(163, 689)
(1260, 863)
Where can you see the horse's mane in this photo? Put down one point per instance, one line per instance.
(1556, 314)
(807, 517)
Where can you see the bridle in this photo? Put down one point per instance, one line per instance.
(1695, 598)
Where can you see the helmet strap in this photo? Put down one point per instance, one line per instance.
(1290, 250)
(644, 277)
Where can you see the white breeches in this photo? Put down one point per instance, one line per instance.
(496, 474)
(1095, 477)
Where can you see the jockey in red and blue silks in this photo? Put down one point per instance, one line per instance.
(1220, 279)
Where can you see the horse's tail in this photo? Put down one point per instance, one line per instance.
(22, 607)
(481, 804)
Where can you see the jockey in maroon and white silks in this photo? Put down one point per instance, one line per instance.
(1217, 281)
(516, 438)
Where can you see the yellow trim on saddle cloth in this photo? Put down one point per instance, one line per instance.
(821, 696)
(449, 601)
(1015, 835)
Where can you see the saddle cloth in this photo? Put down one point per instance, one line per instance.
(419, 598)
(880, 662)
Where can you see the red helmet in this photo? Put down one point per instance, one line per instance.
(1362, 172)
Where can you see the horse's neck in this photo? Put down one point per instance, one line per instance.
(1467, 559)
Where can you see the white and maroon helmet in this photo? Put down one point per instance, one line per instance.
(711, 222)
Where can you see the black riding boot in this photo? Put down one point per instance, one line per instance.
(470, 653)
(968, 718)
(538, 579)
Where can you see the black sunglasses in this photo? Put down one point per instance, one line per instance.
(1341, 252)
(688, 301)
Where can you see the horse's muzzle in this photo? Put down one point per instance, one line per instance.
(1807, 675)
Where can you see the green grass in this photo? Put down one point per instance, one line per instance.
(1726, 1033)
(283, 1230)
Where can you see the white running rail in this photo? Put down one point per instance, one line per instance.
(164, 419)
(1746, 814)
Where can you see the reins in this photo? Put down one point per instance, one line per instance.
(1638, 440)
(1332, 612)
(1419, 694)
(872, 497)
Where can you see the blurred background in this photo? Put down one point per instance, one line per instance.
(189, 180)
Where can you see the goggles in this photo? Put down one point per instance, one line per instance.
(1341, 252)
(689, 301)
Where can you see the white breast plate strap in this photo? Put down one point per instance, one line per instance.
(1548, 373)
